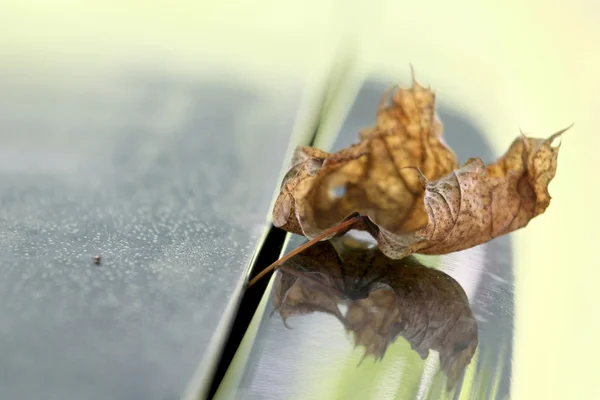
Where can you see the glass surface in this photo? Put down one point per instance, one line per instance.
(317, 359)
(159, 176)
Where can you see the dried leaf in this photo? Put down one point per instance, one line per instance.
(306, 161)
(401, 183)
(368, 177)
(385, 299)
(475, 203)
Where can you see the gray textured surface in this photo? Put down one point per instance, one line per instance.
(282, 361)
(169, 180)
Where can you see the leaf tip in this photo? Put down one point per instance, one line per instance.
(558, 134)
(412, 73)
(523, 135)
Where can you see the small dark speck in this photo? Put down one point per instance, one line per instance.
(97, 260)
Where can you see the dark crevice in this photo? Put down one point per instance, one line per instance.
(269, 253)
(273, 245)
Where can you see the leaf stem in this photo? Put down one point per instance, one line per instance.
(335, 228)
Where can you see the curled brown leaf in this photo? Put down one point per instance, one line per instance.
(475, 203)
(368, 177)
(306, 161)
(402, 184)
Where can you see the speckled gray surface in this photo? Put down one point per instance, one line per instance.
(169, 180)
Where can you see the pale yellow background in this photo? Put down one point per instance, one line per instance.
(511, 65)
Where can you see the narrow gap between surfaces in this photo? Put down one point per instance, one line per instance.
(270, 250)
(269, 253)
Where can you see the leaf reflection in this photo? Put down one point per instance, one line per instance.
(385, 299)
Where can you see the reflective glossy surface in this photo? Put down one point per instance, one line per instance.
(160, 177)
(378, 299)
(317, 359)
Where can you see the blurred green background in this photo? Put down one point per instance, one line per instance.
(512, 65)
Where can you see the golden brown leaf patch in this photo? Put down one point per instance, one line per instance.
(306, 161)
(405, 183)
(368, 177)
(475, 203)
